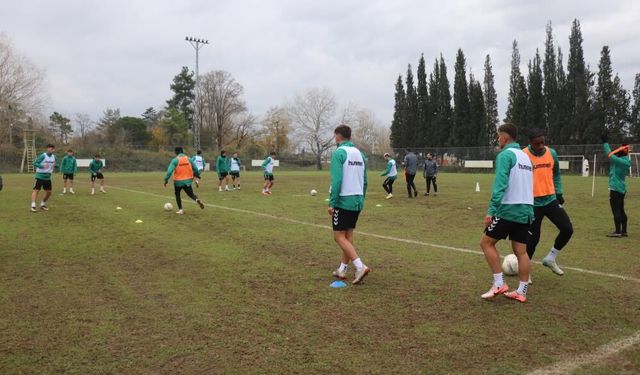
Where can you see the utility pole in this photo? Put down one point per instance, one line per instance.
(197, 43)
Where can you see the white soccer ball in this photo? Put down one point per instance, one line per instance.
(313, 192)
(168, 206)
(510, 265)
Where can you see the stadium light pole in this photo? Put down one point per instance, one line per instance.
(197, 43)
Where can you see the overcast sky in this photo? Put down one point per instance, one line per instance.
(124, 53)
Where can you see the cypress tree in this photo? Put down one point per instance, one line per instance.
(535, 99)
(491, 106)
(550, 86)
(620, 119)
(397, 135)
(560, 134)
(460, 134)
(604, 102)
(411, 126)
(477, 114)
(635, 110)
(517, 109)
(435, 114)
(444, 101)
(424, 115)
(577, 87)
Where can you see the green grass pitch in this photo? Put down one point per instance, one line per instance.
(243, 285)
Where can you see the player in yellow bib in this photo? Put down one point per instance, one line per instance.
(548, 199)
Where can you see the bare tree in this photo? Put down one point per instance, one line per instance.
(243, 129)
(364, 128)
(314, 115)
(276, 127)
(222, 103)
(21, 83)
(84, 124)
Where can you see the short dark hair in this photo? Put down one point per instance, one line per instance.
(179, 150)
(199, 152)
(222, 152)
(344, 131)
(96, 155)
(535, 133)
(509, 129)
(69, 150)
(272, 153)
(49, 145)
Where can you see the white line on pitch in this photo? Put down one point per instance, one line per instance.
(390, 238)
(569, 365)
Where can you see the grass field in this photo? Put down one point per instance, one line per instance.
(243, 286)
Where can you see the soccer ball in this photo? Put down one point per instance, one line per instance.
(313, 192)
(168, 206)
(510, 265)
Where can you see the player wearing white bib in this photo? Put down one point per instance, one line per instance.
(391, 172)
(199, 162)
(510, 213)
(44, 164)
(267, 166)
(234, 170)
(346, 200)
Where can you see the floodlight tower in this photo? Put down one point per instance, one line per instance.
(197, 43)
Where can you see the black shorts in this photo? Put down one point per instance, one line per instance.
(343, 220)
(42, 184)
(98, 176)
(222, 176)
(268, 177)
(235, 174)
(67, 176)
(499, 229)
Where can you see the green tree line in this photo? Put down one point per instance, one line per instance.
(574, 105)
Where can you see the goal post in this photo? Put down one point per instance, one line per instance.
(634, 169)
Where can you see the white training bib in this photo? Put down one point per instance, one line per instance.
(47, 164)
(520, 189)
(269, 167)
(394, 170)
(352, 172)
(235, 165)
(199, 162)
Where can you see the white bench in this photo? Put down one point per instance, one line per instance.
(484, 164)
(258, 163)
(84, 163)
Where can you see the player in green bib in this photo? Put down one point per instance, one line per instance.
(267, 167)
(68, 167)
(44, 164)
(222, 167)
(346, 200)
(95, 170)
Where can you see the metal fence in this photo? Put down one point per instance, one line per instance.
(453, 159)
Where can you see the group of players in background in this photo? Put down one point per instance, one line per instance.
(526, 189)
(45, 164)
